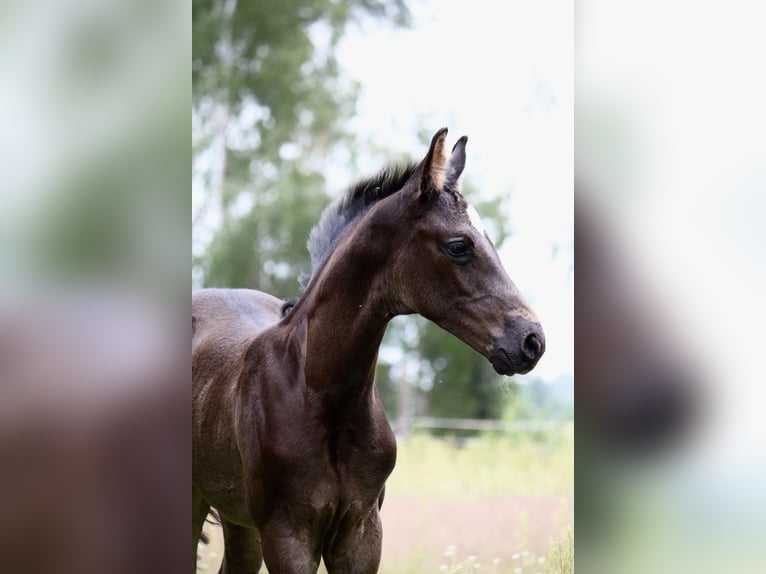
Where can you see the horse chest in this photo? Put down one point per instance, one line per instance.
(363, 460)
(339, 467)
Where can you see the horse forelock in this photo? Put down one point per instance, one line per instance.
(344, 212)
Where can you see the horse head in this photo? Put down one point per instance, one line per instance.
(447, 268)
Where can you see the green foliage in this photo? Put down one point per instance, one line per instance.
(561, 555)
(560, 560)
(499, 465)
(269, 104)
(265, 248)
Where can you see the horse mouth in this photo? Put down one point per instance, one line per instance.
(504, 364)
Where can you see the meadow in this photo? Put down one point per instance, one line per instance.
(500, 504)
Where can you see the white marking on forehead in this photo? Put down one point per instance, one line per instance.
(473, 215)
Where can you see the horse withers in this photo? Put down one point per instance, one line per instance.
(291, 444)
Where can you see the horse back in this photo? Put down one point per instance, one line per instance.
(224, 321)
(233, 315)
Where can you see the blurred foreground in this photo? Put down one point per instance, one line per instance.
(671, 451)
(94, 244)
(94, 445)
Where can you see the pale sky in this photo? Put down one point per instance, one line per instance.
(501, 73)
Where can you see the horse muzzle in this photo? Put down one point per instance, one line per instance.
(519, 349)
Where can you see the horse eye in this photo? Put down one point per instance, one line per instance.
(457, 249)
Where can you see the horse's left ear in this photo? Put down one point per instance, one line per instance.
(433, 166)
(456, 164)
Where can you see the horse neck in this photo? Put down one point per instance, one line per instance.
(345, 317)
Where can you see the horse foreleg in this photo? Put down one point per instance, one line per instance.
(358, 550)
(288, 550)
(242, 549)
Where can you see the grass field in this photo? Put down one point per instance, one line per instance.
(494, 504)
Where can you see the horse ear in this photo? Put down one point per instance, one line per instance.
(456, 163)
(433, 171)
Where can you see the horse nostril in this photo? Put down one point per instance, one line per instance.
(532, 346)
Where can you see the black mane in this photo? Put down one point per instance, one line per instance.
(345, 211)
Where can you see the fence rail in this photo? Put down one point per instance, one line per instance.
(483, 424)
